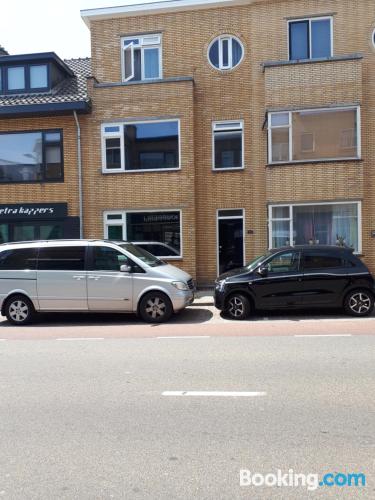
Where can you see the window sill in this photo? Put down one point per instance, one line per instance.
(230, 169)
(54, 181)
(152, 170)
(273, 64)
(144, 82)
(312, 162)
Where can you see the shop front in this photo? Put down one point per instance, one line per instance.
(36, 221)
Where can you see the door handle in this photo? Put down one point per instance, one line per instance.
(96, 278)
(78, 278)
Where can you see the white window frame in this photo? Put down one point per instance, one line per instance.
(310, 20)
(228, 126)
(290, 126)
(373, 38)
(123, 221)
(224, 217)
(146, 42)
(220, 39)
(312, 204)
(120, 134)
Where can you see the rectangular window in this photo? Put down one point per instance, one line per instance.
(320, 224)
(141, 146)
(163, 227)
(141, 58)
(62, 258)
(16, 78)
(313, 135)
(38, 76)
(310, 38)
(227, 145)
(31, 157)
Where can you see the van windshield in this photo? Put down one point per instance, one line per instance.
(142, 254)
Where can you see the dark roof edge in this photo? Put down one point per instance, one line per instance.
(38, 56)
(46, 108)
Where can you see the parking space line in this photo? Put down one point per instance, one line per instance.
(328, 335)
(185, 337)
(214, 393)
(80, 338)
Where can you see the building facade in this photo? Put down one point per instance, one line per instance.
(222, 128)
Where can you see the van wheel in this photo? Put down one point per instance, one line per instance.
(19, 310)
(238, 307)
(155, 307)
(359, 303)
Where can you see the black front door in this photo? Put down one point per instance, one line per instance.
(230, 229)
(282, 286)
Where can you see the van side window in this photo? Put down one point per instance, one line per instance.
(62, 258)
(108, 259)
(18, 259)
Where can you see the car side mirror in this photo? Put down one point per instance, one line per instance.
(125, 268)
(263, 271)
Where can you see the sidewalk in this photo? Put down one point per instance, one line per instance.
(204, 297)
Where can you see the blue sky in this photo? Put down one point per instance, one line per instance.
(47, 25)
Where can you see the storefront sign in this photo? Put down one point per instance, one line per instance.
(33, 211)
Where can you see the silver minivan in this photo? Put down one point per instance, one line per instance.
(89, 275)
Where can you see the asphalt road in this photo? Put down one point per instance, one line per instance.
(88, 419)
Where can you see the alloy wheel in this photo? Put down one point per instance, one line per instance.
(18, 311)
(155, 307)
(235, 307)
(360, 303)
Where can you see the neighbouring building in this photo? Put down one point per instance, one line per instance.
(220, 128)
(42, 100)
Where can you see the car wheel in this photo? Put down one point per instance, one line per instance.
(155, 307)
(359, 303)
(19, 310)
(238, 307)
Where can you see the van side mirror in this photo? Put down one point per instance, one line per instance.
(125, 268)
(263, 271)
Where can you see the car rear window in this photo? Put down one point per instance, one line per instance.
(70, 258)
(322, 261)
(18, 259)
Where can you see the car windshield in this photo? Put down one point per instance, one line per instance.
(142, 254)
(252, 264)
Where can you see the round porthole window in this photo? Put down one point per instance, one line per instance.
(225, 52)
(373, 38)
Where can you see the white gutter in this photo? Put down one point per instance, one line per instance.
(79, 165)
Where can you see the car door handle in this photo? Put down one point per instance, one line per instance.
(78, 278)
(96, 278)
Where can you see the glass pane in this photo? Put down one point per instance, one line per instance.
(325, 134)
(225, 50)
(38, 77)
(326, 225)
(113, 153)
(280, 213)
(284, 263)
(151, 146)
(151, 63)
(230, 213)
(228, 149)
(53, 162)
(62, 258)
(321, 260)
(280, 144)
(50, 231)
(24, 232)
(19, 259)
(280, 234)
(115, 233)
(279, 119)
(52, 137)
(214, 54)
(299, 40)
(321, 38)
(108, 259)
(114, 216)
(161, 227)
(236, 52)
(4, 233)
(21, 157)
(137, 65)
(16, 78)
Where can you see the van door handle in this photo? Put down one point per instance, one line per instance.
(96, 278)
(78, 278)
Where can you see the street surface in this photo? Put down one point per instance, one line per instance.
(103, 406)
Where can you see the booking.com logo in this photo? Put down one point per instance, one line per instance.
(295, 480)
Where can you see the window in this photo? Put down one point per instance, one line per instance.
(310, 38)
(141, 58)
(372, 39)
(284, 263)
(38, 76)
(227, 145)
(136, 146)
(26, 78)
(320, 224)
(19, 259)
(108, 259)
(321, 260)
(225, 52)
(16, 78)
(161, 227)
(313, 135)
(62, 258)
(31, 156)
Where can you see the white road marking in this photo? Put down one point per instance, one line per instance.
(214, 393)
(186, 337)
(3, 340)
(328, 335)
(82, 338)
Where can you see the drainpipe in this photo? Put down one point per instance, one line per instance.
(79, 164)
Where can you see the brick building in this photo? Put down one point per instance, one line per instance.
(223, 127)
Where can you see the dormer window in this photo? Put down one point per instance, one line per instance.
(24, 78)
(141, 58)
(38, 76)
(16, 78)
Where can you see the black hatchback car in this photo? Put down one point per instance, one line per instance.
(299, 277)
